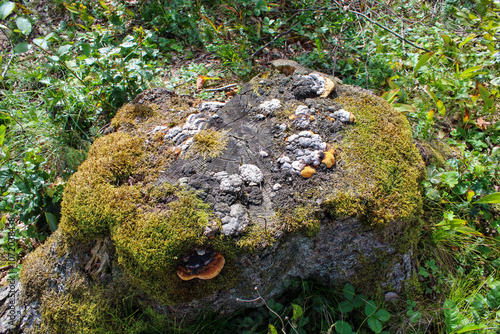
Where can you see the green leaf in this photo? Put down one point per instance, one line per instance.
(86, 49)
(348, 292)
(471, 72)
(441, 108)
(51, 221)
(493, 298)
(422, 61)
(297, 312)
(370, 308)
(465, 41)
(374, 324)
(345, 307)
(23, 25)
(343, 327)
(471, 327)
(382, 315)
(403, 108)
(6, 9)
(491, 198)
(451, 315)
(495, 81)
(431, 94)
(446, 39)
(450, 178)
(64, 49)
(22, 47)
(272, 329)
(391, 95)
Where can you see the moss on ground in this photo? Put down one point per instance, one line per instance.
(380, 163)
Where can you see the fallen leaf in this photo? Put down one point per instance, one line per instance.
(200, 82)
(482, 124)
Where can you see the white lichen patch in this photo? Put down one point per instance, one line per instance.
(251, 174)
(344, 116)
(270, 106)
(303, 149)
(181, 137)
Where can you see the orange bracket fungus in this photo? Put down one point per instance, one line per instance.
(202, 264)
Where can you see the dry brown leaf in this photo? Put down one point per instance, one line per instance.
(200, 82)
(482, 124)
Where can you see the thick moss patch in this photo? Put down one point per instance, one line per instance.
(382, 166)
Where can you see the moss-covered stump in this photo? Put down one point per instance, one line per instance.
(192, 204)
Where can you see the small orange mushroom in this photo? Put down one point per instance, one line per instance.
(329, 159)
(307, 172)
(202, 263)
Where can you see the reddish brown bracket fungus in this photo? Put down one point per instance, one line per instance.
(202, 264)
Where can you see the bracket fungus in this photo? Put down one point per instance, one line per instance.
(201, 263)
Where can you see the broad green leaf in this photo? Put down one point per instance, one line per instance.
(22, 47)
(345, 307)
(272, 330)
(446, 39)
(491, 198)
(297, 312)
(483, 92)
(103, 5)
(391, 95)
(468, 231)
(374, 324)
(495, 81)
(343, 327)
(23, 25)
(403, 108)
(451, 315)
(470, 194)
(370, 308)
(348, 292)
(471, 327)
(64, 49)
(51, 221)
(86, 49)
(493, 298)
(430, 115)
(359, 301)
(471, 72)
(431, 93)
(450, 178)
(382, 315)
(41, 42)
(423, 60)
(465, 41)
(6, 9)
(441, 108)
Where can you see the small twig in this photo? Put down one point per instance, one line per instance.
(389, 30)
(271, 42)
(221, 88)
(270, 310)
(11, 54)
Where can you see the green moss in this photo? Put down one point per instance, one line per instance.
(37, 271)
(130, 114)
(304, 219)
(88, 308)
(380, 162)
(208, 143)
(97, 197)
(150, 245)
